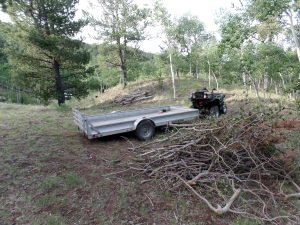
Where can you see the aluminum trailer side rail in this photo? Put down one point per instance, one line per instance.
(94, 126)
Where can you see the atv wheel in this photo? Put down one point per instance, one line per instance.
(214, 111)
(224, 109)
(145, 130)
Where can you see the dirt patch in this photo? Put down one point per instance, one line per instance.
(288, 124)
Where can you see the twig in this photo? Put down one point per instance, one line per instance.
(115, 173)
(150, 200)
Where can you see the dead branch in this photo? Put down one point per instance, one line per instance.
(293, 195)
(184, 125)
(219, 210)
(218, 162)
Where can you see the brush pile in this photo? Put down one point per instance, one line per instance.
(133, 97)
(232, 166)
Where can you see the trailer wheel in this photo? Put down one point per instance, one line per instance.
(214, 111)
(145, 130)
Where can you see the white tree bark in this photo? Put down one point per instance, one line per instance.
(214, 75)
(244, 79)
(220, 210)
(282, 79)
(208, 73)
(289, 13)
(173, 77)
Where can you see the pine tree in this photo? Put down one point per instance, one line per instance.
(45, 56)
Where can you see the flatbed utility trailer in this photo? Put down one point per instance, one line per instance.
(142, 121)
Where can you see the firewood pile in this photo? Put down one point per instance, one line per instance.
(232, 166)
(136, 96)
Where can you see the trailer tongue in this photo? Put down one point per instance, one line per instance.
(142, 121)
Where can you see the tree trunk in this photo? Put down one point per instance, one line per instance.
(244, 79)
(177, 73)
(214, 75)
(266, 82)
(282, 79)
(208, 74)
(60, 89)
(173, 77)
(123, 67)
(289, 13)
(256, 87)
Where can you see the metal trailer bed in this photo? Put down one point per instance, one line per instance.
(142, 121)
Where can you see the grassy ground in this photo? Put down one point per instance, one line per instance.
(51, 174)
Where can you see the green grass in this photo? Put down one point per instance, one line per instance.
(51, 183)
(144, 210)
(72, 180)
(58, 202)
(246, 221)
(52, 220)
(4, 211)
(45, 201)
(123, 197)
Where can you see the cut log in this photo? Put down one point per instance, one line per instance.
(133, 97)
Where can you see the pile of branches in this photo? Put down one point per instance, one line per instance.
(232, 166)
(133, 97)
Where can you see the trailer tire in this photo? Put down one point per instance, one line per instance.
(145, 130)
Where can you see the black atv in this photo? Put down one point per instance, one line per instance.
(209, 103)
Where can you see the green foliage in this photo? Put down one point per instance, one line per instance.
(25, 98)
(43, 56)
(270, 16)
(107, 74)
(3, 4)
(187, 32)
(235, 30)
(5, 68)
(267, 9)
(264, 58)
(297, 89)
(248, 48)
(122, 22)
(185, 40)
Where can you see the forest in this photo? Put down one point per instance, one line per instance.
(258, 48)
(234, 169)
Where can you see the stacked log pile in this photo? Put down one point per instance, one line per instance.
(136, 96)
(231, 167)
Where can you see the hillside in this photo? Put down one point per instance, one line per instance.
(51, 174)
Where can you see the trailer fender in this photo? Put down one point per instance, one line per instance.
(136, 123)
